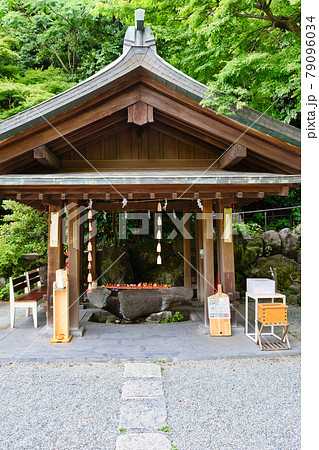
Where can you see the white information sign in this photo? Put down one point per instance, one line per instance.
(218, 307)
(54, 229)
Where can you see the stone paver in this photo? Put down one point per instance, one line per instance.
(142, 370)
(143, 414)
(141, 342)
(141, 388)
(145, 441)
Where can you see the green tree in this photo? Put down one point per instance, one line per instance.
(34, 86)
(246, 51)
(62, 33)
(8, 55)
(22, 230)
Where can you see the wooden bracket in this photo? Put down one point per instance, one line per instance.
(140, 113)
(47, 158)
(233, 155)
(284, 191)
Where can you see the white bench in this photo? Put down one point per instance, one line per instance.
(31, 297)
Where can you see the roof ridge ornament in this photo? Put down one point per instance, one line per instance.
(139, 35)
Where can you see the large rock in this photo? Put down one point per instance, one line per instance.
(290, 243)
(143, 257)
(111, 272)
(131, 304)
(171, 271)
(247, 249)
(99, 297)
(298, 229)
(288, 271)
(272, 242)
(135, 303)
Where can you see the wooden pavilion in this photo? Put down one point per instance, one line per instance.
(136, 131)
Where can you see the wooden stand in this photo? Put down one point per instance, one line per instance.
(277, 345)
(257, 298)
(219, 326)
(61, 311)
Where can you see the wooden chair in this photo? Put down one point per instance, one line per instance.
(25, 300)
(33, 278)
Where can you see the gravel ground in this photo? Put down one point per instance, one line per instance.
(60, 406)
(219, 404)
(234, 404)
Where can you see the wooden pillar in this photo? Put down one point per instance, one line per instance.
(208, 247)
(199, 259)
(74, 264)
(226, 264)
(55, 255)
(187, 250)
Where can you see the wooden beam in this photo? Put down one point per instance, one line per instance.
(284, 191)
(48, 133)
(207, 121)
(55, 255)
(226, 264)
(74, 265)
(141, 206)
(108, 164)
(44, 156)
(232, 156)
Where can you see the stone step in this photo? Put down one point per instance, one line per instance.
(142, 370)
(145, 413)
(145, 441)
(142, 388)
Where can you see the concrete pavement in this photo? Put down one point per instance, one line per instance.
(144, 342)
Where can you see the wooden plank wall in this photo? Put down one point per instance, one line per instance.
(137, 143)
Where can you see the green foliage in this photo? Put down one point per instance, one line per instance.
(279, 224)
(22, 230)
(176, 317)
(248, 52)
(275, 201)
(29, 89)
(267, 250)
(62, 33)
(8, 55)
(245, 228)
(165, 428)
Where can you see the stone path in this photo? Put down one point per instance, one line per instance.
(143, 409)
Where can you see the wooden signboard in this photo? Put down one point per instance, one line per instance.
(54, 229)
(219, 314)
(61, 308)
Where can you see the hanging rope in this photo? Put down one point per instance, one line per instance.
(66, 209)
(89, 248)
(159, 234)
